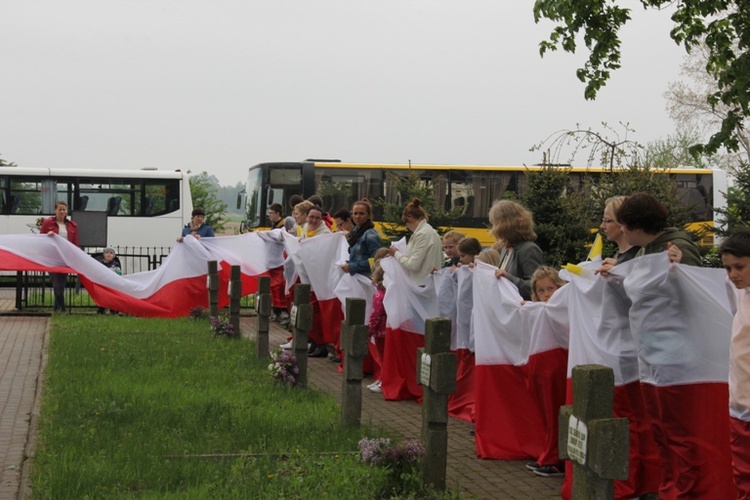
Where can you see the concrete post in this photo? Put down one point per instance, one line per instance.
(354, 338)
(263, 308)
(213, 288)
(301, 321)
(235, 294)
(597, 444)
(436, 372)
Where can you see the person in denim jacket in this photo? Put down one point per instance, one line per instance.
(364, 240)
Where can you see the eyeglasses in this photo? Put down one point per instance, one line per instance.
(607, 221)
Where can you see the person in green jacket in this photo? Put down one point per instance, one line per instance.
(644, 224)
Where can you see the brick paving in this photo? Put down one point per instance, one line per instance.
(22, 351)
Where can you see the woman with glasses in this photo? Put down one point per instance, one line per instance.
(612, 230)
(363, 239)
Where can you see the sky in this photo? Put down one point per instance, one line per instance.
(220, 85)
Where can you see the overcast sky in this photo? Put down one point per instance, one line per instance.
(221, 85)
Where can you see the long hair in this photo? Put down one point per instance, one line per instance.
(511, 222)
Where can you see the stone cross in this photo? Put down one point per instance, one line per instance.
(235, 295)
(263, 308)
(301, 322)
(354, 342)
(436, 372)
(597, 444)
(213, 288)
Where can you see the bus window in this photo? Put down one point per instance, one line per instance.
(340, 188)
(390, 185)
(475, 191)
(26, 197)
(694, 195)
(283, 183)
(255, 212)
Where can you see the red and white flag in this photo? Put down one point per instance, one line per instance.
(515, 344)
(171, 290)
(407, 306)
(681, 324)
(321, 258)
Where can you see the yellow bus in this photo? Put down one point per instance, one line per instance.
(471, 188)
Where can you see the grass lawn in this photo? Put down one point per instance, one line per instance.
(131, 408)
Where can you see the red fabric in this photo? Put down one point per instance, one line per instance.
(330, 320)
(316, 330)
(278, 287)
(173, 300)
(461, 403)
(740, 446)
(17, 263)
(399, 371)
(249, 283)
(691, 427)
(371, 363)
(507, 421)
(546, 381)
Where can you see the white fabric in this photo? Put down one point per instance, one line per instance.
(680, 319)
(356, 286)
(446, 288)
(274, 247)
(407, 304)
(464, 307)
(321, 257)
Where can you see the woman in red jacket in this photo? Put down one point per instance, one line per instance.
(59, 224)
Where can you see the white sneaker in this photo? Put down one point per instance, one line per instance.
(376, 387)
(287, 346)
(370, 386)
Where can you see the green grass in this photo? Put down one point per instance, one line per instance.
(129, 404)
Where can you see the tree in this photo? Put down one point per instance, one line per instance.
(724, 27)
(687, 103)
(204, 190)
(612, 152)
(228, 195)
(632, 168)
(737, 212)
(562, 228)
(4, 163)
(409, 187)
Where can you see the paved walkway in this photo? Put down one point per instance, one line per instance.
(22, 351)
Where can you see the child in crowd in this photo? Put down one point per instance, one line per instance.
(544, 282)
(468, 249)
(377, 315)
(735, 257)
(450, 247)
(110, 261)
(489, 256)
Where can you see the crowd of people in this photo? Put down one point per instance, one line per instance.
(636, 224)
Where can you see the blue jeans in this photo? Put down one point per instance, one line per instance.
(58, 290)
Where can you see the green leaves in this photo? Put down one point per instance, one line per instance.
(722, 25)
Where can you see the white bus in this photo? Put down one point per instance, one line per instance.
(140, 208)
